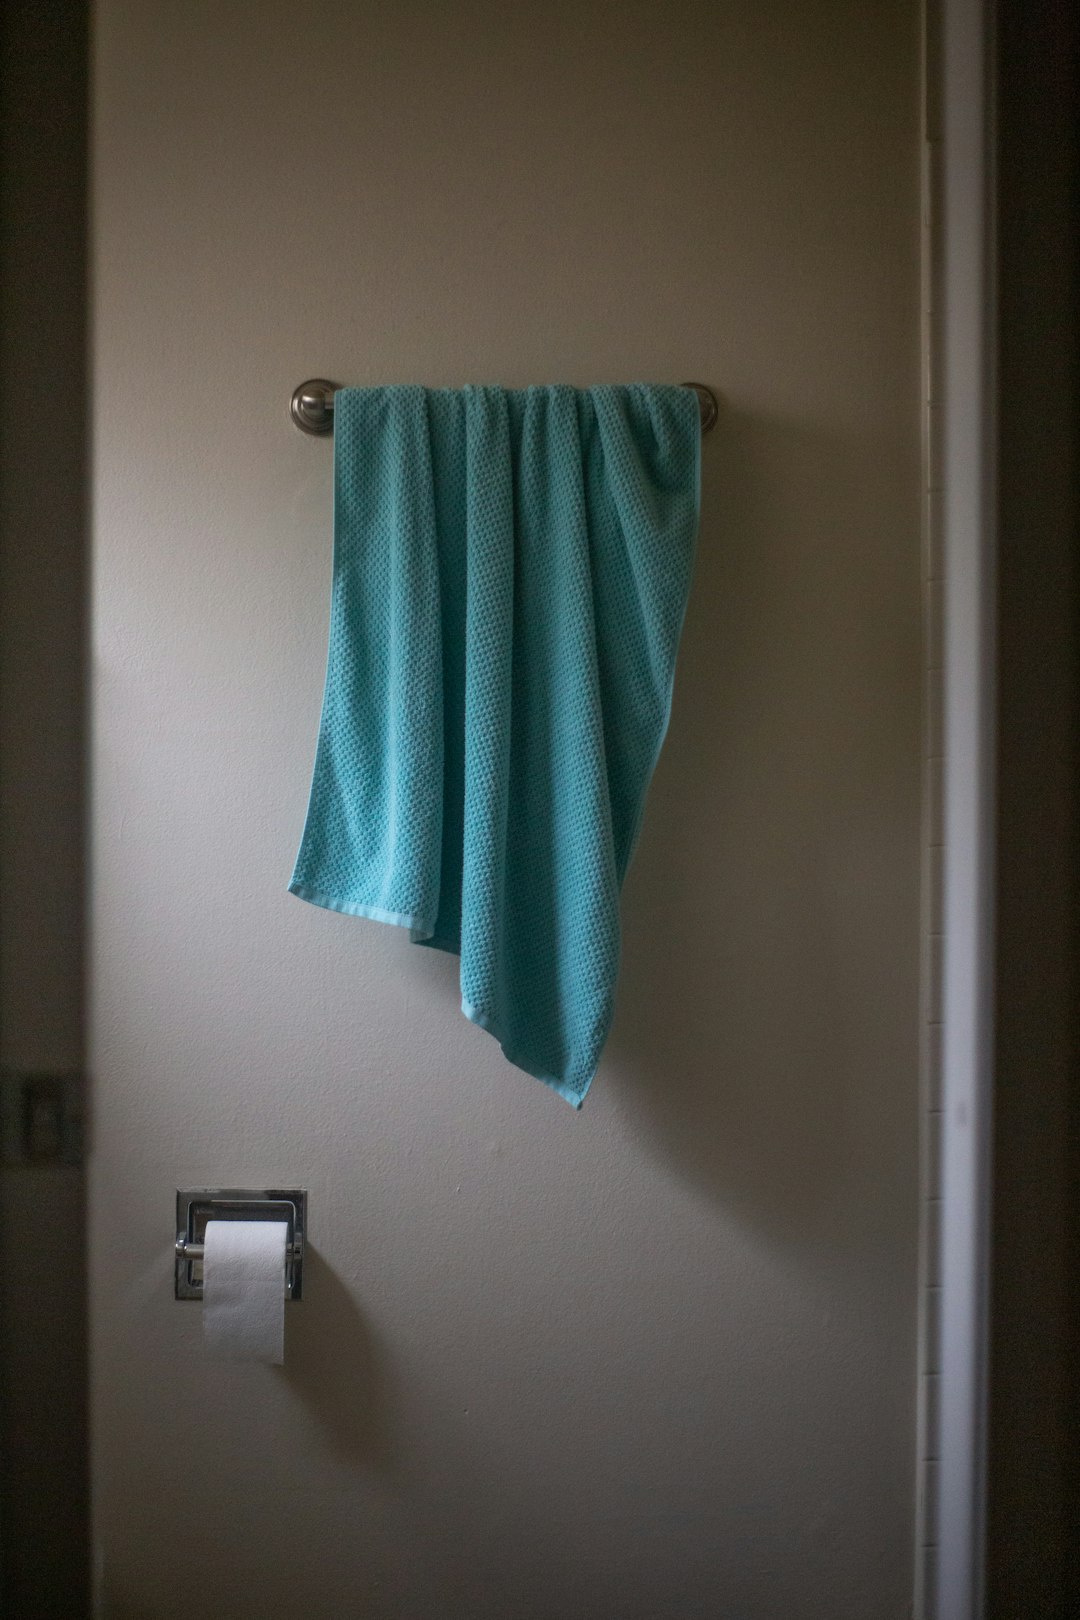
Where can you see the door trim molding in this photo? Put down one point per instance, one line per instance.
(968, 364)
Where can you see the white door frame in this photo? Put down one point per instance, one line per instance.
(967, 300)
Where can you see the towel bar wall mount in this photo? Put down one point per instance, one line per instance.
(312, 405)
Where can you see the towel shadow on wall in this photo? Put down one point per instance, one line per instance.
(333, 1364)
(756, 995)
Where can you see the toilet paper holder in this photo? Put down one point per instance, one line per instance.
(197, 1205)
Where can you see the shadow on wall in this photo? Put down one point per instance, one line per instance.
(333, 1364)
(760, 1018)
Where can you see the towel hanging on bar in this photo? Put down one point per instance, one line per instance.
(511, 571)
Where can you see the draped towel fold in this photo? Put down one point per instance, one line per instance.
(511, 572)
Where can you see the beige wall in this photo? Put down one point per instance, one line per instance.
(657, 1359)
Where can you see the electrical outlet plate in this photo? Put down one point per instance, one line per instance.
(41, 1117)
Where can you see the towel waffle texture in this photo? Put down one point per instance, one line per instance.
(511, 572)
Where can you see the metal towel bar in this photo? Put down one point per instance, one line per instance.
(312, 405)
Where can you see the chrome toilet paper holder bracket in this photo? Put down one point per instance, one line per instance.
(197, 1205)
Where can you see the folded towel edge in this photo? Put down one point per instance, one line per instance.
(575, 1096)
(422, 927)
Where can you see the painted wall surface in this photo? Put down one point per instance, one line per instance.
(656, 1359)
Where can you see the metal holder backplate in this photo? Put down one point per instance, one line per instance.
(197, 1205)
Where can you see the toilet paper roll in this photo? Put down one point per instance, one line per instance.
(244, 1290)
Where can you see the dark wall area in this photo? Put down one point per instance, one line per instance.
(44, 1559)
(1034, 1419)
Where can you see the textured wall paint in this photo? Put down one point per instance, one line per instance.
(659, 1358)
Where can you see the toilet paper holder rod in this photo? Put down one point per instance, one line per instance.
(197, 1251)
(197, 1205)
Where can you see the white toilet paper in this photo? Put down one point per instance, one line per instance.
(244, 1290)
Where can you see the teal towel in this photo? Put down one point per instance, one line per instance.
(511, 571)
